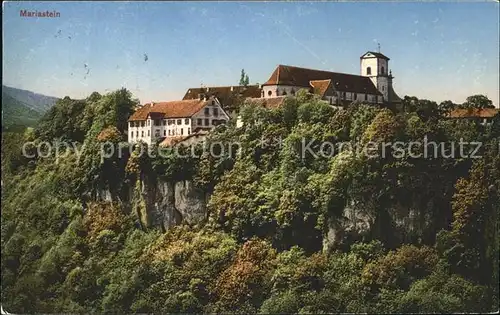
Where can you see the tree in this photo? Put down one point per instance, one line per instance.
(477, 101)
(244, 80)
(447, 106)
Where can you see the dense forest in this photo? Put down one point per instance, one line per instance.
(267, 244)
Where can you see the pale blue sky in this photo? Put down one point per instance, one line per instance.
(438, 51)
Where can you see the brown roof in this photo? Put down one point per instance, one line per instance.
(173, 109)
(474, 113)
(295, 76)
(172, 141)
(320, 86)
(376, 54)
(225, 94)
(272, 102)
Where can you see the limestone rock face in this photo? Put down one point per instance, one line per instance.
(394, 225)
(167, 204)
(356, 224)
(190, 201)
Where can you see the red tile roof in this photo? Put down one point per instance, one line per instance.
(320, 86)
(173, 109)
(474, 113)
(295, 76)
(272, 102)
(227, 95)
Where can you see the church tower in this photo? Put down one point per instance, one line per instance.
(376, 66)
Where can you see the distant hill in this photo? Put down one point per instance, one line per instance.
(22, 108)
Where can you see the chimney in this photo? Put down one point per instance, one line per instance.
(208, 89)
(201, 96)
(232, 88)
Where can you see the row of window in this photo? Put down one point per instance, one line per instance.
(159, 122)
(354, 96)
(215, 111)
(164, 122)
(199, 122)
(157, 133)
(270, 93)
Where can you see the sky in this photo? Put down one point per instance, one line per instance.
(437, 50)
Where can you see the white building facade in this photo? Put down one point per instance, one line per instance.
(373, 85)
(156, 121)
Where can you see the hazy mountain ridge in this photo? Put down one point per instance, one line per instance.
(36, 101)
(22, 108)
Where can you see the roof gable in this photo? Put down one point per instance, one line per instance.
(372, 54)
(320, 87)
(295, 76)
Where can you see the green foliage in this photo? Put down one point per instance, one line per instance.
(244, 80)
(286, 232)
(477, 101)
(16, 116)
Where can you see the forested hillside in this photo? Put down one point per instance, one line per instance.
(36, 101)
(16, 115)
(21, 108)
(284, 232)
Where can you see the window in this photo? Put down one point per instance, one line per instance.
(142, 133)
(382, 70)
(164, 133)
(354, 96)
(199, 121)
(157, 122)
(292, 92)
(216, 112)
(182, 131)
(270, 93)
(186, 121)
(179, 121)
(343, 95)
(157, 133)
(189, 131)
(170, 122)
(142, 123)
(164, 122)
(148, 122)
(207, 111)
(284, 92)
(207, 122)
(131, 124)
(368, 70)
(366, 97)
(169, 132)
(137, 133)
(149, 133)
(383, 88)
(132, 134)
